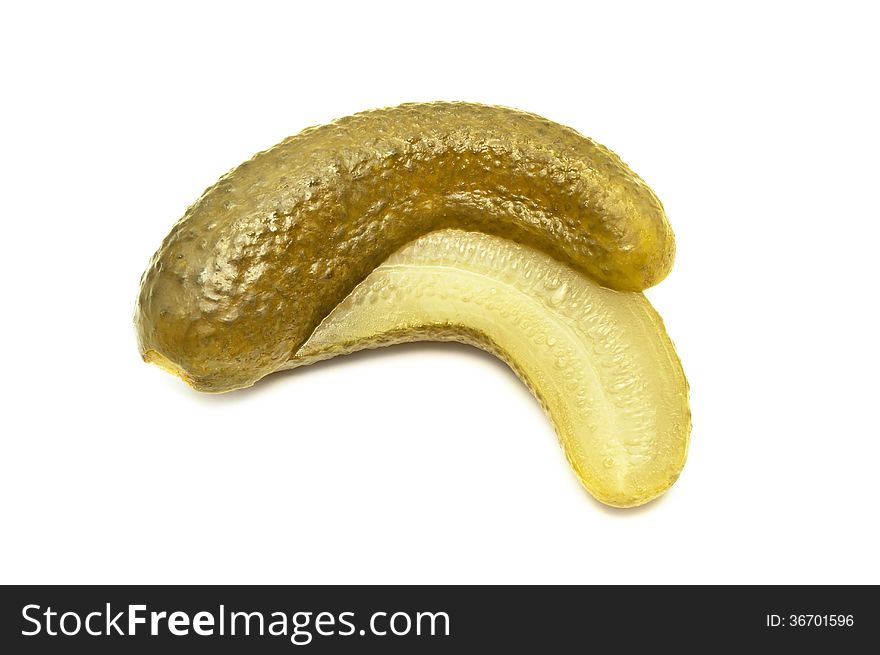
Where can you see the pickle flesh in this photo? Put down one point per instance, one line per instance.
(598, 360)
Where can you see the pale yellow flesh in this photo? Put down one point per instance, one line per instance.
(599, 361)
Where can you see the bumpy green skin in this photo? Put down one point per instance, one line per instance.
(266, 253)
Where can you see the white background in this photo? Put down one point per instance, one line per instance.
(758, 128)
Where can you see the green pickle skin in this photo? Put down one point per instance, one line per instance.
(256, 263)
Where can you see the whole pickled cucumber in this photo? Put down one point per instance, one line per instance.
(265, 254)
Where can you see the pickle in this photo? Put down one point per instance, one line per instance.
(598, 360)
(244, 278)
(444, 222)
